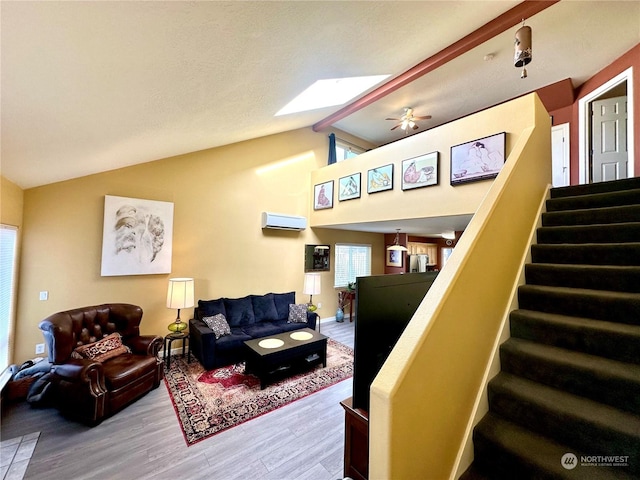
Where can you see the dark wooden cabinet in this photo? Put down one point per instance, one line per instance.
(356, 441)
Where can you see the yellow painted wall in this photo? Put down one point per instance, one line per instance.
(218, 198)
(11, 203)
(425, 393)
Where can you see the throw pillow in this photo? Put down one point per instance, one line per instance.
(298, 313)
(218, 323)
(104, 349)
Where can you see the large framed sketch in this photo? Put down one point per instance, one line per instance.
(478, 160)
(137, 236)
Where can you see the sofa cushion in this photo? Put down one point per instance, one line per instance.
(282, 301)
(285, 326)
(218, 323)
(264, 307)
(262, 329)
(209, 308)
(298, 313)
(104, 349)
(239, 311)
(232, 342)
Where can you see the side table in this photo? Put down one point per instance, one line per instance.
(169, 339)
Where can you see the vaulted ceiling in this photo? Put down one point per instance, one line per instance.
(93, 86)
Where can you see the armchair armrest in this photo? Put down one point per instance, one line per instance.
(82, 372)
(145, 344)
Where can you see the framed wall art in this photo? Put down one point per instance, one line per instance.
(380, 179)
(323, 195)
(420, 171)
(394, 258)
(137, 236)
(349, 187)
(478, 160)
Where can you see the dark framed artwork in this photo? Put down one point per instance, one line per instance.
(478, 160)
(420, 171)
(394, 258)
(323, 195)
(380, 179)
(349, 187)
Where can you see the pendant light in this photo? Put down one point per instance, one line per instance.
(396, 243)
(522, 55)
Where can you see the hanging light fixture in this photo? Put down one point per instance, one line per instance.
(396, 243)
(522, 45)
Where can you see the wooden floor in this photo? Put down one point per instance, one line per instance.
(303, 440)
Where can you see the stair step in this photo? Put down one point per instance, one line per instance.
(503, 450)
(599, 233)
(575, 421)
(621, 307)
(595, 200)
(601, 379)
(617, 341)
(599, 187)
(587, 254)
(619, 214)
(604, 277)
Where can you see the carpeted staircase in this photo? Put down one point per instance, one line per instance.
(570, 373)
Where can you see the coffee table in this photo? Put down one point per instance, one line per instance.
(284, 354)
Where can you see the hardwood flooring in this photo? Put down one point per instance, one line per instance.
(303, 440)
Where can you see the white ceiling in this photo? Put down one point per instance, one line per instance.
(93, 86)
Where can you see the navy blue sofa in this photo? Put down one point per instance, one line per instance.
(253, 316)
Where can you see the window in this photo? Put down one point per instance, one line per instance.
(8, 236)
(346, 150)
(351, 261)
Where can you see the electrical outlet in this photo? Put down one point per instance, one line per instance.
(39, 348)
(319, 305)
(44, 295)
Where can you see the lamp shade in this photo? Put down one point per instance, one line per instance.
(180, 293)
(311, 284)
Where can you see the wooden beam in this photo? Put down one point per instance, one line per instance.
(507, 20)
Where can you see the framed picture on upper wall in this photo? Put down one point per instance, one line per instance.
(420, 171)
(137, 236)
(349, 187)
(478, 160)
(323, 196)
(380, 179)
(394, 258)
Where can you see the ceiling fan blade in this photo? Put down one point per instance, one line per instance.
(415, 127)
(391, 118)
(426, 117)
(395, 127)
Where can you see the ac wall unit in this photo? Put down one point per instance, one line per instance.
(283, 222)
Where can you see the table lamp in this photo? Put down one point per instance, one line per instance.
(179, 295)
(311, 288)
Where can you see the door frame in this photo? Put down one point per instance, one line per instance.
(584, 125)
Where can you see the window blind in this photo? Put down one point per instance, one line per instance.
(351, 261)
(8, 235)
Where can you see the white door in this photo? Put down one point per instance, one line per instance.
(560, 155)
(609, 142)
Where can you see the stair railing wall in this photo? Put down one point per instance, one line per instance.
(481, 406)
(427, 391)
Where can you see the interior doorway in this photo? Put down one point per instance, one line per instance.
(607, 168)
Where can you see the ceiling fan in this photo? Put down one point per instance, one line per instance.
(408, 120)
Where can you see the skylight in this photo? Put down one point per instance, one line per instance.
(330, 92)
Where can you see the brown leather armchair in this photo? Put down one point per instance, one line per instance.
(91, 390)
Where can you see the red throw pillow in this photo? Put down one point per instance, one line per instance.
(104, 349)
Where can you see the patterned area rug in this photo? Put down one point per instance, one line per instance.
(208, 402)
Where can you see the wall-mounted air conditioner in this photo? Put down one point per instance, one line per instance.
(280, 221)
